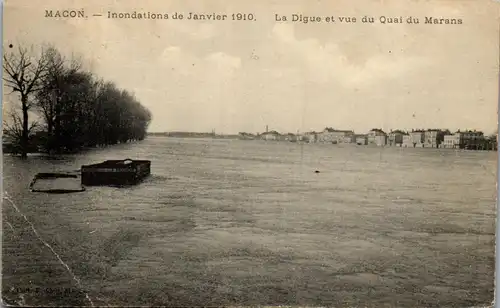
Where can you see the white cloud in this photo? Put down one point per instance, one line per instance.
(325, 63)
(223, 59)
(171, 54)
(198, 31)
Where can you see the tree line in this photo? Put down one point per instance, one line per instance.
(76, 109)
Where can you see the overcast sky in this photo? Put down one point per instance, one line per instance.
(242, 76)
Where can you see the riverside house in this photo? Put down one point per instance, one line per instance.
(377, 137)
(472, 140)
(361, 139)
(451, 141)
(415, 139)
(290, 137)
(270, 136)
(433, 138)
(309, 137)
(246, 136)
(395, 138)
(330, 135)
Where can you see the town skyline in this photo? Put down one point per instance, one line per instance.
(421, 138)
(414, 138)
(270, 129)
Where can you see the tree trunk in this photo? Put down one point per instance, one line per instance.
(25, 135)
(50, 122)
(57, 129)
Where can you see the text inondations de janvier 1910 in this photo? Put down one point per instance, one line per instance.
(297, 18)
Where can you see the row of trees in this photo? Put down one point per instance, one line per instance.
(76, 109)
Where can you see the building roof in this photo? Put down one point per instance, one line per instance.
(377, 130)
(470, 131)
(398, 131)
(273, 132)
(333, 130)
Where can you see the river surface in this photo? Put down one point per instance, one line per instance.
(230, 222)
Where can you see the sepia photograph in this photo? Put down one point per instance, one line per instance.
(269, 153)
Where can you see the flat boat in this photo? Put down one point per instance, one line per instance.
(56, 183)
(115, 172)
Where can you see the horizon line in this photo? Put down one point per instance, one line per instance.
(311, 131)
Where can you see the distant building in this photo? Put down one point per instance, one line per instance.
(330, 135)
(361, 139)
(451, 141)
(381, 140)
(407, 141)
(471, 140)
(246, 136)
(348, 138)
(491, 143)
(433, 138)
(395, 138)
(377, 137)
(417, 138)
(290, 137)
(310, 137)
(270, 136)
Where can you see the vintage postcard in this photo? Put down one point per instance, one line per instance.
(249, 153)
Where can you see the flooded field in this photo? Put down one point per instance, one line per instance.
(224, 222)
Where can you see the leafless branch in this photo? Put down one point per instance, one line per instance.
(13, 128)
(24, 74)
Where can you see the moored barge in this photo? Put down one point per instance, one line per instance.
(56, 183)
(115, 172)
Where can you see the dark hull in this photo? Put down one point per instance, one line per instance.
(116, 173)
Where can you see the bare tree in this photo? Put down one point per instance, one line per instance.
(23, 74)
(78, 110)
(52, 98)
(13, 130)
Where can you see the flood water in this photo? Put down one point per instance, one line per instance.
(230, 222)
